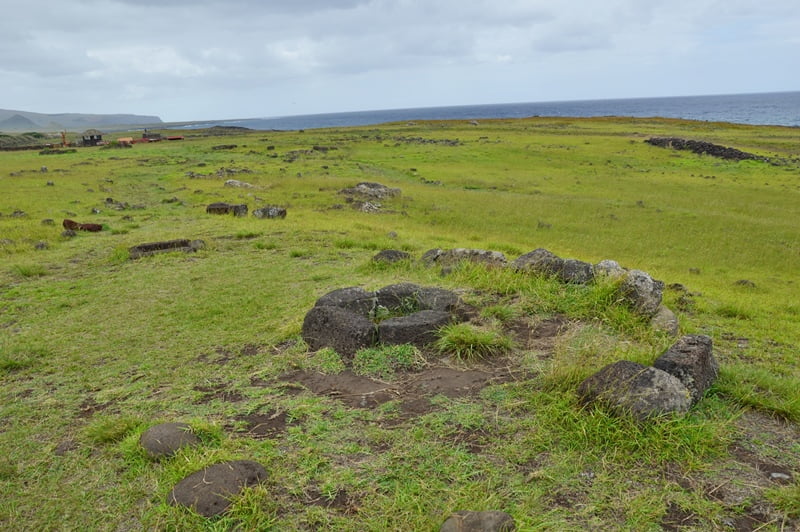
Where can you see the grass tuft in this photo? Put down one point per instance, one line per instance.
(385, 360)
(111, 429)
(468, 343)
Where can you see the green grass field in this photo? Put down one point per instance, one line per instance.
(96, 347)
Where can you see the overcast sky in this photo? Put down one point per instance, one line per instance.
(218, 59)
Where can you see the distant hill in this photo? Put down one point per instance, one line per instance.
(26, 121)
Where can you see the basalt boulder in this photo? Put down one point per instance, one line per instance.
(209, 491)
(418, 328)
(338, 328)
(166, 439)
(691, 360)
(641, 292)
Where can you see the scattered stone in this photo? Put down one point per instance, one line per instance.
(371, 190)
(69, 233)
(224, 147)
(338, 328)
(270, 211)
(418, 328)
(701, 147)
(43, 169)
(691, 360)
(609, 269)
(488, 521)
(95, 210)
(48, 221)
(116, 205)
(76, 226)
(628, 388)
(50, 184)
(390, 256)
(666, 321)
(41, 245)
(19, 214)
(745, 283)
(154, 248)
(165, 439)
(235, 183)
(227, 208)
(209, 491)
(452, 257)
(641, 292)
(368, 206)
(392, 235)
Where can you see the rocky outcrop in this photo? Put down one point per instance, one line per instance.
(209, 491)
(166, 246)
(628, 388)
(451, 257)
(227, 208)
(543, 262)
(370, 190)
(270, 211)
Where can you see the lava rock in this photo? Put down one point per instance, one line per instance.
(208, 491)
(641, 292)
(338, 328)
(165, 439)
(418, 328)
(353, 298)
(691, 360)
(628, 388)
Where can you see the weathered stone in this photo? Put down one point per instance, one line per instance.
(452, 257)
(691, 360)
(628, 388)
(209, 491)
(488, 521)
(390, 256)
(609, 269)
(641, 292)
(576, 272)
(166, 246)
(418, 328)
(430, 257)
(227, 208)
(165, 439)
(338, 328)
(371, 190)
(270, 211)
(354, 299)
(539, 261)
(665, 320)
(237, 184)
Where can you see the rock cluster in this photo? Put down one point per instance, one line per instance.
(701, 147)
(677, 380)
(345, 318)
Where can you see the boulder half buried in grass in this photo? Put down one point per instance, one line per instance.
(628, 388)
(338, 328)
(209, 491)
(487, 521)
(165, 439)
(641, 292)
(166, 246)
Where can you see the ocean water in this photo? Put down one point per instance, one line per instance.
(779, 108)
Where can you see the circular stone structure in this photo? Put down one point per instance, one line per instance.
(349, 319)
(165, 439)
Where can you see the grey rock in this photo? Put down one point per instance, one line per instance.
(209, 491)
(390, 256)
(270, 211)
(666, 321)
(371, 190)
(628, 388)
(641, 292)
(418, 328)
(165, 439)
(41, 245)
(691, 360)
(488, 521)
(69, 233)
(430, 257)
(354, 299)
(539, 261)
(338, 328)
(166, 246)
(609, 269)
(237, 184)
(451, 257)
(576, 272)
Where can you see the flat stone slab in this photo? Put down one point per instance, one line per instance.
(209, 491)
(488, 521)
(628, 388)
(165, 439)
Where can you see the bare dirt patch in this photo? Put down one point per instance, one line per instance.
(218, 391)
(539, 335)
(264, 425)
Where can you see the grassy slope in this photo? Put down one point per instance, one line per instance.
(95, 348)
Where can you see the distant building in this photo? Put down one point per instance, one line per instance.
(91, 137)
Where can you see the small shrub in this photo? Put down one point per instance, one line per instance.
(247, 235)
(383, 361)
(265, 245)
(467, 342)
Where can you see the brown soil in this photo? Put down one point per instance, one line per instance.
(259, 426)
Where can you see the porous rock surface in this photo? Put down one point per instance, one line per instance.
(487, 521)
(691, 360)
(270, 211)
(642, 292)
(209, 491)
(418, 328)
(165, 439)
(339, 328)
(543, 262)
(451, 257)
(629, 388)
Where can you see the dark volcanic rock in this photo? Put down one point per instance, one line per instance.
(165, 439)
(641, 391)
(701, 147)
(354, 299)
(391, 256)
(691, 359)
(418, 328)
(208, 491)
(166, 246)
(576, 272)
(452, 257)
(488, 521)
(270, 211)
(338, 328)
(539, 261)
